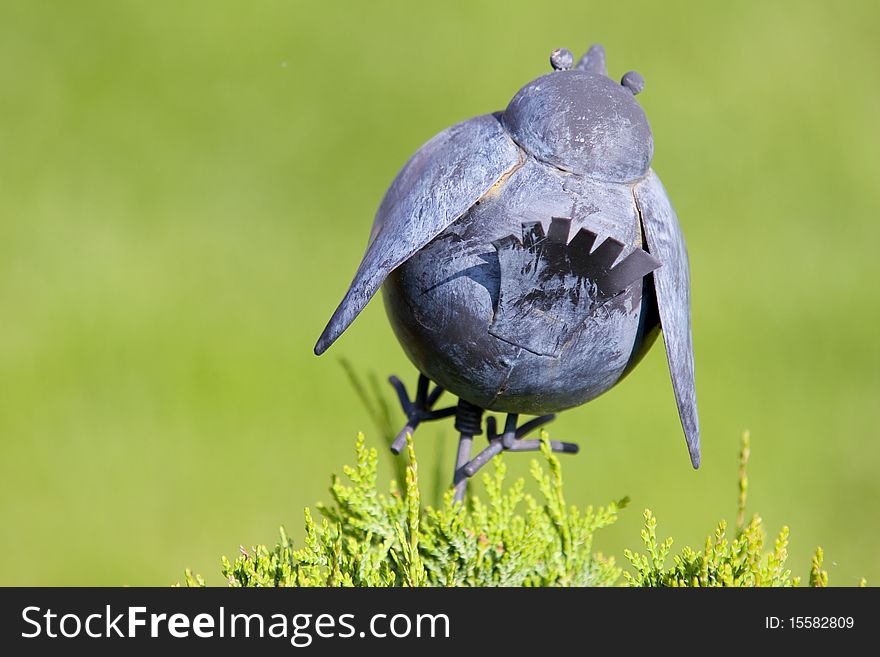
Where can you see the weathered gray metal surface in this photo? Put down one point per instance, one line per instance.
(672, 282)
(443, 301)
(549, 287)
(593, 61)
(511, 250)
(583, 123)
(435, 187)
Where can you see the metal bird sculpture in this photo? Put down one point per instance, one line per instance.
(528, 260)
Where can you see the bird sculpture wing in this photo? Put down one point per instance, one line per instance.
(438, 184)
(672, 284)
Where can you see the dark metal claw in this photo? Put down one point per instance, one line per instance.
(468, 422)
(418, 410)
(512, 439)
(555, 445)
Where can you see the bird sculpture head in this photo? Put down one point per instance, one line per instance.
(581, 121)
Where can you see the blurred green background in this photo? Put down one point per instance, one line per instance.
(187, 187)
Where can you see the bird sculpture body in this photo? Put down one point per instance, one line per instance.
(528, 260)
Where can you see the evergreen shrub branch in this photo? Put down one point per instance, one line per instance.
(511, 538)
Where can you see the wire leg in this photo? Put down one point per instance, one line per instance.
(419, 410)
(460, 478)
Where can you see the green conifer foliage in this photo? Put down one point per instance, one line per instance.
(510, 538)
